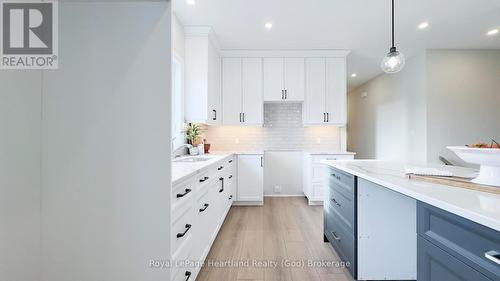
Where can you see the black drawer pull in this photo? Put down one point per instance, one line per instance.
(230, 176)
(230, 161)
(222, 188)
(220, 168)
(179, 195)
(188, 227)
(230, 197)
(205, 206)
(188, 275)
(335, 236)
(335, 176)
(335, 201)
(203, 179)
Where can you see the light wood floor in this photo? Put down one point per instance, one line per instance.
(283, 229)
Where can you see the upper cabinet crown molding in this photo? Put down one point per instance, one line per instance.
(285, 53)
(203, 31)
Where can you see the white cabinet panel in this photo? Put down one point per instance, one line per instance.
(314, 104)
(250, 178)
(252, 104)
(336, 95)
(273, 79)
(231, 90)
(294, 79)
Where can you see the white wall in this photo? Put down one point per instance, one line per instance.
(20, 110)
(178, 38)
(106, 143)
(463, 98)
(390, 122)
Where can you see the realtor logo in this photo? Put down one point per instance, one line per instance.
(29, 34)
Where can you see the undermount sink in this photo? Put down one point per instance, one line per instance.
(192, 159)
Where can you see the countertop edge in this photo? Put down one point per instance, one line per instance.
(465, 213)
(195, 171)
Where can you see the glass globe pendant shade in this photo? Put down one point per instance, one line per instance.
(393, 62)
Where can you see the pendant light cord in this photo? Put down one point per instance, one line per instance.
(393, 23)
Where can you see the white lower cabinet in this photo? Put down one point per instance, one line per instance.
(200, 205)
(250, 179)
(314, 175)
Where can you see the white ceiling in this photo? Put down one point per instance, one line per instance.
(362, 26)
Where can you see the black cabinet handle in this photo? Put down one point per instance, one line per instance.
(215, 115)
(230, 197)
(203, 179)
(205, 206)
(188, 227)
(241, 118)
(220, 168)
(286, 94)
(335, 176)
(261, 162)
(335, 236)
(230, 161)
(188, 275)
(179, 195)
(327, 117)
(335, 201)
(324, 117)
(230, 176)
(282, 94)
(222, 180)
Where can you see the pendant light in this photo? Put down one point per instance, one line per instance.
(394, 61)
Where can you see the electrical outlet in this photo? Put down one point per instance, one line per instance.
(277, 189)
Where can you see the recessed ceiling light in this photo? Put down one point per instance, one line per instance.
(493, 32)
(191, 2)
(268, 25)
(354, 75)
(423, 25)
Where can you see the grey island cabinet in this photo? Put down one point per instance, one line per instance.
(387, 227)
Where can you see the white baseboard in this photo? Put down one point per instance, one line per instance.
(284, 195)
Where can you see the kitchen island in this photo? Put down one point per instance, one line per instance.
(382, 222)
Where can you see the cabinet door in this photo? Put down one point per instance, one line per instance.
(314, 103)
(294, 79)
(231, 90)
(336, 95)
(250, 178)
(252, 104)
(214, 93)
(273, 79)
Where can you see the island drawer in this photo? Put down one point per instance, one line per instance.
(467, 241)
(343, 206)
(342, 240)
(341, 181)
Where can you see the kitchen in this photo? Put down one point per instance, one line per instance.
(277, 122)
(250, 140)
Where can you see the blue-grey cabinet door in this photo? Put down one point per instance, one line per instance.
(434, 264)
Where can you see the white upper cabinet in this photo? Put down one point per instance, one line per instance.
(242, 91)
(294, 79)
(231, 90)
(283, 79)
(202, 100)
(336, 91)
(252, 103)
(326, 95)
(273, 79)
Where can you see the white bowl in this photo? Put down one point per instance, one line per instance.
(488, 158)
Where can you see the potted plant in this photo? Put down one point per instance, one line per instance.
(193, 135)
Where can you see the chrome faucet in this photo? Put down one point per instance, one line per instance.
(174, 151)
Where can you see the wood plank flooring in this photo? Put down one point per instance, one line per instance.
(281, 235)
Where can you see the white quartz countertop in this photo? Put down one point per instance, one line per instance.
(477, 206)
(183, 170)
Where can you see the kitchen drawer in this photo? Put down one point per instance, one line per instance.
(343, 206)
(182, 193)
(342, 240)
(467, 241)
(434, 264)
(341, 182)
(204, 178)
(183, 227)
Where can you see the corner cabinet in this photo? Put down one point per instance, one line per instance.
(202, 77)
(250, 187)
(242, 91)
(325, 92)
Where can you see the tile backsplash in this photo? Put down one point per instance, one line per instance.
(282, 130)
